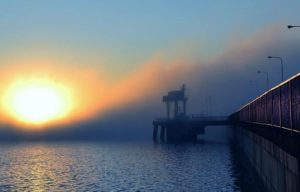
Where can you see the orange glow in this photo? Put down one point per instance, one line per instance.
(44, 93)
(37, 101)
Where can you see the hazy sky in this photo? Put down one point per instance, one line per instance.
(115, 59)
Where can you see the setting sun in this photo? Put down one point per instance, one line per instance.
(37, 101)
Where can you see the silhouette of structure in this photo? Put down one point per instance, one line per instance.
(178, 126)
(176, 97)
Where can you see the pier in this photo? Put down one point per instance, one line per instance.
(178, 126)
(267, 129)
(187, 129)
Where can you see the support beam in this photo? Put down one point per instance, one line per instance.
(184, 107)
(168, 110)
(155, 129)
(176, 109)
(162, 133)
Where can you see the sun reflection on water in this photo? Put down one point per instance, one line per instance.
(39, 168)
(118, 167)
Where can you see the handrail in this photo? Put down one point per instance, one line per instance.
(266, 92)
(276, 107)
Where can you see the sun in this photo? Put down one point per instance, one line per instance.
(37, 101)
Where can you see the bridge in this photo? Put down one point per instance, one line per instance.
(267, 129)
(275, 115)
(180, 127)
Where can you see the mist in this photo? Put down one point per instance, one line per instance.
(228, 79)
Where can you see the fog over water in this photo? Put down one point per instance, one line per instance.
(229, 79)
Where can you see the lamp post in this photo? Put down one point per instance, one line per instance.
(267, 75)
(281, 62)
(292, 26)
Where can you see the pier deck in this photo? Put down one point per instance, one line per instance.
(185, 129)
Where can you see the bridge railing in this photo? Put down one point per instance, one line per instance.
(278, 107)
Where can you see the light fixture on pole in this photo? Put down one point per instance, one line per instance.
(292, 26)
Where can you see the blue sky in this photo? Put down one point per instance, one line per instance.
(126, 34)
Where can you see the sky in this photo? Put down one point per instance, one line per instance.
(124, 34)
(115, 59)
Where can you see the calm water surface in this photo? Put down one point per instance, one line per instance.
(121, 167)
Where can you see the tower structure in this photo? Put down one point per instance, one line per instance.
(176, 98)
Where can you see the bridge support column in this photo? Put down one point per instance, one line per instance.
(155, 129)
(162, 133)
(168, 110)
(184, 107)
(176, 109)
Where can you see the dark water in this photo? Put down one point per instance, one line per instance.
(206, 166)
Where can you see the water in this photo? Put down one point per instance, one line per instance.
(206, 166)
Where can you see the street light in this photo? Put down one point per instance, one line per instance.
(292, 26)
(267, 75)
(281, 62)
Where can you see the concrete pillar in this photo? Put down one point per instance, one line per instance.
(176, 109)
(155, 129)
(298, 172)
(162, 133)
(298, 160)
(168, 110)
(184, 107)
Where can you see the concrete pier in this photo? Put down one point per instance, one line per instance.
(278, 169)
(155, 130)
(184, 130)
(181, 127)
(268, 131)
(162, 133)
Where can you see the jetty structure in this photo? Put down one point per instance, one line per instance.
(178, 126)
(266, 131)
